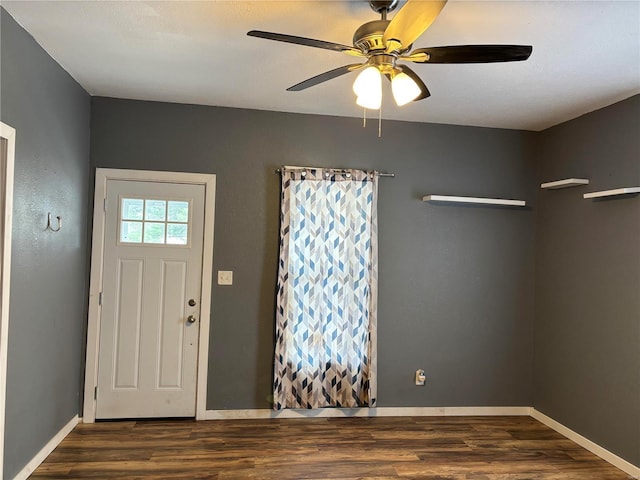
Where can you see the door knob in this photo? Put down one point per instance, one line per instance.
(192, 302)
(191, 319)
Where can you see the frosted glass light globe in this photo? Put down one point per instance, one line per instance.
(404, 89)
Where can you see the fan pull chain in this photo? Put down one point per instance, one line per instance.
(380, 121)
(364, 117)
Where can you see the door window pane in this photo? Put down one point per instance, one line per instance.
(178, 211)
(132, 208)
(153, 232)
(177, 233)
(131, 232)
(155, 210)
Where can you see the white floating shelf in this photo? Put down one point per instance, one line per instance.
(567, 182)
(613, 193)
(483, 201)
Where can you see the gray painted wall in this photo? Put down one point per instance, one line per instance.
(587, 331)
(50, 113)
(456, 283)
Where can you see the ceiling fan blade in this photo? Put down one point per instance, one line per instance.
(323, 77)
(470, 54)
(309, 42)
(410, 22)
(424, 91)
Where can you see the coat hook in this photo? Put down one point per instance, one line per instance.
(49, 227)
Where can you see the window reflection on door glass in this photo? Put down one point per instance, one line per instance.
(178, 211)
(132, 208)
(177, 233)
(154, 210)
(131, 232)
(153, 232)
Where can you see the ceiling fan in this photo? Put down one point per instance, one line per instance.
(385, 43)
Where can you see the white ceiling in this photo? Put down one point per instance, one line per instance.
(586, 55)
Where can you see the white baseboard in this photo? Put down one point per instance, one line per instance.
(366, 412)
(46, 450)
(487, 411)
(594, 448)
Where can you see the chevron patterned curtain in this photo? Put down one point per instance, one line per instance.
(325, 353)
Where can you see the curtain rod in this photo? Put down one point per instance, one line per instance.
(380, 174)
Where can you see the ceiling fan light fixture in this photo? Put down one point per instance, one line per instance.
(370, 102)
(404, 89)
(383, 42)
(368, 88)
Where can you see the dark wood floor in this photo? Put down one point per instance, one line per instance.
(429, 448)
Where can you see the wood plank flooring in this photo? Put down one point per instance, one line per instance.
(428, 448)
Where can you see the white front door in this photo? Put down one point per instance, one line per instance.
(151, 290)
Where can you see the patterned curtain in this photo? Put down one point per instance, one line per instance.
(325, 353)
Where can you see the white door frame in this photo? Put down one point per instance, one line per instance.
(9, 134)
(95, 287)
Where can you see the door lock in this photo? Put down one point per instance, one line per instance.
(191, 319)
(192, 302)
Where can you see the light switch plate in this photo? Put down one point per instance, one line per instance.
(225, 277)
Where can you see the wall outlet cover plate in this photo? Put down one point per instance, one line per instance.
(225, 277)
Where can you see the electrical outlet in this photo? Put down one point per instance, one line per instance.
(420, 377)
(225, 277)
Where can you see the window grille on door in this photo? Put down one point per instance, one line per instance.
(153, 221)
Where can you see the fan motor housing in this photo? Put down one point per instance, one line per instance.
(385, 63)
(368, 36)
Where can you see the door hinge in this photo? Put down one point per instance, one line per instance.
(100, 299)
(95, 393)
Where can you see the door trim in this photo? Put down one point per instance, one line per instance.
(103, 175)
(9, 134)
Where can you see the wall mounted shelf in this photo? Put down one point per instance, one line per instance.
(476, 200)
(613, 193)
(567, 182)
